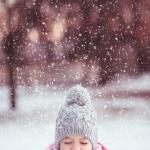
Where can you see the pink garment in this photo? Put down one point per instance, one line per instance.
(99, 146)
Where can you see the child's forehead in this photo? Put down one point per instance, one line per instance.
(76, 137)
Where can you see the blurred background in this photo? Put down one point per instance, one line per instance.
(47, 46)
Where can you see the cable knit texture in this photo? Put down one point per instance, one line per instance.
(77, 116)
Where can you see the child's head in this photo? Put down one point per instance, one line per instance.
(76, 121)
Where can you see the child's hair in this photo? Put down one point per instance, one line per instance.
(77, 116)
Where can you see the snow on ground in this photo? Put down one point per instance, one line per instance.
(123, 122)
(128, 85)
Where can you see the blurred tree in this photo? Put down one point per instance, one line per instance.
(15, 40)
(12, 41)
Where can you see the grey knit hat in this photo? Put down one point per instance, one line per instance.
(77, 116)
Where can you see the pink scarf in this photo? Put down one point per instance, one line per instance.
(99, 146)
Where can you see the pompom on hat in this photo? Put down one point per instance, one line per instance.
(77, 116)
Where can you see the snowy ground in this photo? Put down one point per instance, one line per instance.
(123, 119)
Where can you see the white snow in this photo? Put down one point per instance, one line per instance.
(123, 122)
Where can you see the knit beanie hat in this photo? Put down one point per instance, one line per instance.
(77, 116)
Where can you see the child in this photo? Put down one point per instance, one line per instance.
(76, 127)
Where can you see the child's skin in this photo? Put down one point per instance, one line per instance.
(75, 143)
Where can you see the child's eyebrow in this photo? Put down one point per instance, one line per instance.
(66, 137)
